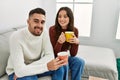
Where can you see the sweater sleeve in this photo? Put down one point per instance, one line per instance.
(74, 47)
(17, 57)
(56, 45)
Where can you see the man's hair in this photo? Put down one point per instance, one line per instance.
(37, 10)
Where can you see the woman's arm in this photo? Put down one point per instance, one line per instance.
(74, 43)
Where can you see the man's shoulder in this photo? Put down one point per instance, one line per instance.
(18, 32)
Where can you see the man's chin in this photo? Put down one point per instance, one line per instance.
(38, 34)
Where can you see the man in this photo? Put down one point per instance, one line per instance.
(31, 53)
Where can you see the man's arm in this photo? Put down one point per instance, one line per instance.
(17, 59)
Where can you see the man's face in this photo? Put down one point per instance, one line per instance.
(36, 23)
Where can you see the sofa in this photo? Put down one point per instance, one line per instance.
(99, 61)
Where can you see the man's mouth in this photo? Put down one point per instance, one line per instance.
(38, 30)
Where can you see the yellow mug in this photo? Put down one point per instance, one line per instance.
(68, 35)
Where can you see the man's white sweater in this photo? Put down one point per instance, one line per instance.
(29, 54)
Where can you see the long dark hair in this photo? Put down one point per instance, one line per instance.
(70, 26)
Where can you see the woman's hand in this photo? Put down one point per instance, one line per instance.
(61, 38)
(74, 40)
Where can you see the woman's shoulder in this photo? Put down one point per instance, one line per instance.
(75, 29)
(52, 28)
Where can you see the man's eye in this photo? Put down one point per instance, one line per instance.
(36, 21)
(42, 22)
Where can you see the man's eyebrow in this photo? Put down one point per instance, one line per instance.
(36, 19)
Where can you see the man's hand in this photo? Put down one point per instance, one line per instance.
(55, 64)
(15, 77)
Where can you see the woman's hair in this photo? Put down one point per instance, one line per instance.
(70, 25)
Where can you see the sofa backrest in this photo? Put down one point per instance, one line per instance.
(4, 48)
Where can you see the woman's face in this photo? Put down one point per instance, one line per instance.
(63, 19)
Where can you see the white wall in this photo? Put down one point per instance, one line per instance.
(50, 7)
(15, 12)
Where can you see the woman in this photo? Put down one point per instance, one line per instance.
(65, 22)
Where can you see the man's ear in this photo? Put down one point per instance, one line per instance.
(28, 21)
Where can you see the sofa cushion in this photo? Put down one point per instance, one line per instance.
(4, 50)
(5, 77)
(99, 62)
